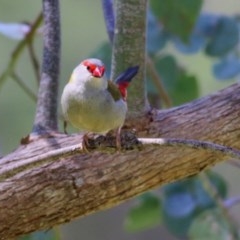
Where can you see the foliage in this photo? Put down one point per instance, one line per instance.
(186, 208)
(178, 205)
(212, 225)
(43, 235)
(144, 215)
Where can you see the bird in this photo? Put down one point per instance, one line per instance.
(93, 104)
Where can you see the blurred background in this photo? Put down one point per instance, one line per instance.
(83, 31)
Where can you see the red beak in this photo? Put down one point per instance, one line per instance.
(98, 72)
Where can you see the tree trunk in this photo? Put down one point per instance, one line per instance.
(54, 190)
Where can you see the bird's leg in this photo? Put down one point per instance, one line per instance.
(85, 143)
(65, 126)
(118, 138)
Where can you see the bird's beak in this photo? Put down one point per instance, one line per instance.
(98, 72)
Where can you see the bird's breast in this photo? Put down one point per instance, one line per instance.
(94, 111)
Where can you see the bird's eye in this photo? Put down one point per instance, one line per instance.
(90, 68)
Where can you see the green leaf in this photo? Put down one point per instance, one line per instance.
(178, 17)
(203, 200)
(145, 215)
(184, 200)
(219, 183)
(186, 89)
(52, 234)
(167, 69)
(179, 206)
(227, 68)
(178, 226)
(210, 225)
(157, 36)
(180, 86)
(225, 37)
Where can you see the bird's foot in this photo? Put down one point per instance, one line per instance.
(118, 140)
(85, 143)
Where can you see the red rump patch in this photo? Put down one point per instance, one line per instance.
(123, 89)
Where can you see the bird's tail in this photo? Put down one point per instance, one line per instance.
(124, 79)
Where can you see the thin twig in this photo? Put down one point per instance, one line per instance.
(228, 151)
(234, 162)
(46, 111)
(232, 201)
(108, 12)
(34, 60)
(158, 83)
(23, 86)
(19, 49)
(211, 190)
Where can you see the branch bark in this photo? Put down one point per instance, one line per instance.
(46, 112)
(129, 49)
(64, 188)
(109, 17)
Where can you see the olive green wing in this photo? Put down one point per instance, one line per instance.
(114, 91)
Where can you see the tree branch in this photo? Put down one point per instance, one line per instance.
(129, 48)
(228, 151)
(65, 187)
(19, 49)
(211, 190)
(108, 12)
(158, 83)
(8, 170)
(46, 112)
(24, 86)
(34, 60)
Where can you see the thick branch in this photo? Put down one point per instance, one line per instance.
(57, 191)
(108, 11)
(129, 48)
(46, 113)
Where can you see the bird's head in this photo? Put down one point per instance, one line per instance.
(90, 71)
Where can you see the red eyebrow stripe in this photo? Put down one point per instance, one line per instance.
(90, 65)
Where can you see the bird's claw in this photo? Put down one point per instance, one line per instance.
(85, 143)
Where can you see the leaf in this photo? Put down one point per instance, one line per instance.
(225, 37)
(180, 86)
(178, 207)
(203, 200)
(178, 226)
(227, 68)
(179, 204)
(145, 215)
(196, 42)
(186, 89)
(184, 200)
(52, 234)
(206, 24)
(178, 17)
(178, 200)
(219, 183)
(210, 225)
(15, 31)
(157, 37)
(167, 69)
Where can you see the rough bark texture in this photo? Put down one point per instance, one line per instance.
(70, 187)
(46, 111)
(129, 48)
